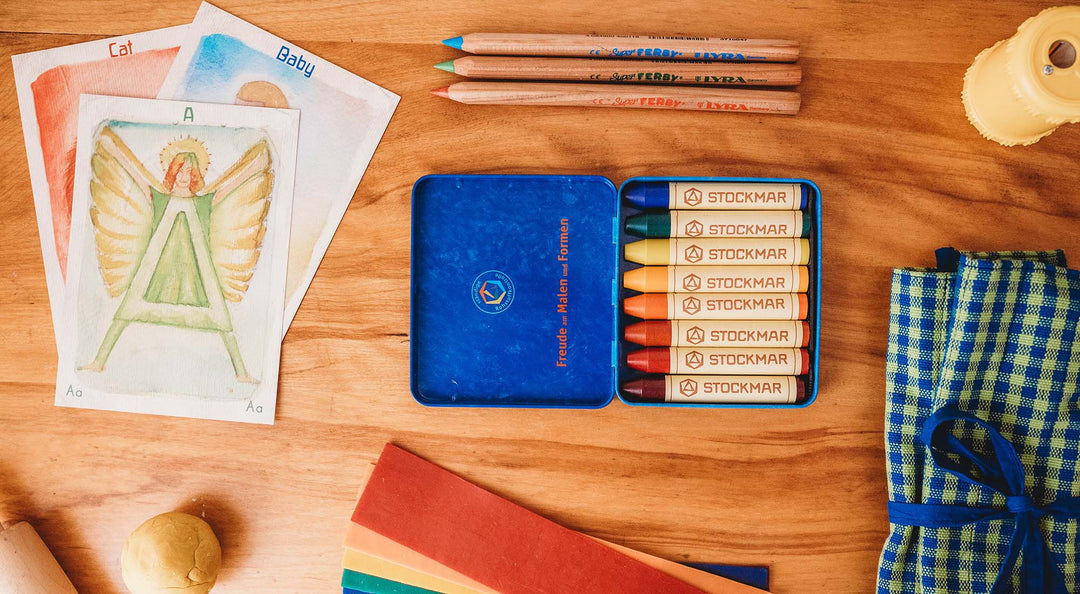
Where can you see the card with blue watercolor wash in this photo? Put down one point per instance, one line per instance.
(227, 60)
(179, 251)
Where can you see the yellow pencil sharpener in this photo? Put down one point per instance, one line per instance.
(1024, 87)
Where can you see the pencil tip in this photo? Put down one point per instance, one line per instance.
(454, 42)
(447, 65)
(443, 92)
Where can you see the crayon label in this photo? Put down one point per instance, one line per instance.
(724, 306)
(492, 291)
(734, 196)
(735, 279)
(754, 333)
(732, 389)
(727, 361)
(736, 223)
(739, 251)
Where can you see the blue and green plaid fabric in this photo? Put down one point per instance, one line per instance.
(998, 339)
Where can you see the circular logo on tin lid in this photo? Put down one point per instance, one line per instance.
(492, 291)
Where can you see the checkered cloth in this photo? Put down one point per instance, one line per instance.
(997, 339)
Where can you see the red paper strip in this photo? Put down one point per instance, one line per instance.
(493, 541)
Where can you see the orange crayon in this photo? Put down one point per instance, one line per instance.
(717, 306)
(719, 333)
(718, 279)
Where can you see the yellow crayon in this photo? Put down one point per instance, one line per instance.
(773, 252)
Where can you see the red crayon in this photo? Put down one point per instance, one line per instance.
(721, 361)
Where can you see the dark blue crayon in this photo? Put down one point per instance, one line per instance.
(718, 195)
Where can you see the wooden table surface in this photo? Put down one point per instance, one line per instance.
(882, 131)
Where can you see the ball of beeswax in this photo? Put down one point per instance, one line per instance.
(174, 553)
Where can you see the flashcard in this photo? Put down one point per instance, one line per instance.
(49, 83)
(179, 246)
(227, 60)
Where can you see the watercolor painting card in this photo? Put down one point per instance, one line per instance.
(48, 83)
(179, 251)
(227, 60)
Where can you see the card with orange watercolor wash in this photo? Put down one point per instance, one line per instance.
(49, 83)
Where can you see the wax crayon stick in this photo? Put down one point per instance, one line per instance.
(625, 71)
(716, 99)
(717, 306)
(721, 361)
(719, 223)
(647, 47)
(719, 333)
(718, 279)
(723, 252)
(718, 195)
(716, 389)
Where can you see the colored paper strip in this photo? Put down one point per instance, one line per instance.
(757, 577)
(367, 542)
(364, 563)
(372, 543)
(443, 517)
(370, 584)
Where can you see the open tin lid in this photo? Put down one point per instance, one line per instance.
(513, 290)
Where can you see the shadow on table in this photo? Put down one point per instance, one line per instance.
(54, 526)
(228, 525)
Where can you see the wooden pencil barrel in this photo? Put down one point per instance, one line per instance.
(629, 71)
(640, 47)
(647, 97)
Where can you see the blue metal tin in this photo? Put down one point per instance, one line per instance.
(516, 290)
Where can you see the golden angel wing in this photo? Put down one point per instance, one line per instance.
(121, 209)
(238, 219)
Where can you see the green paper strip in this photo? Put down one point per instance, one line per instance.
(355, 580)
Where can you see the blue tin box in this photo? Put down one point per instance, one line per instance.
(516, 290)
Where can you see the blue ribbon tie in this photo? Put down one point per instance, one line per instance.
(1004, 474)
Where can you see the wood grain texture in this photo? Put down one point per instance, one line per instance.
(882, 131)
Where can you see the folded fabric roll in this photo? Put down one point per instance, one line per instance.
(994, 343)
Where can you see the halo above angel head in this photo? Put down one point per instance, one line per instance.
(185, 144)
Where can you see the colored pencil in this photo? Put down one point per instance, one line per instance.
(625, 71)
(598, 95)
(645, 47)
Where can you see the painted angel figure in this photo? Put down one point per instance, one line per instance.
(177, 249)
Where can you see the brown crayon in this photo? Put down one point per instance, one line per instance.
(718, 389)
